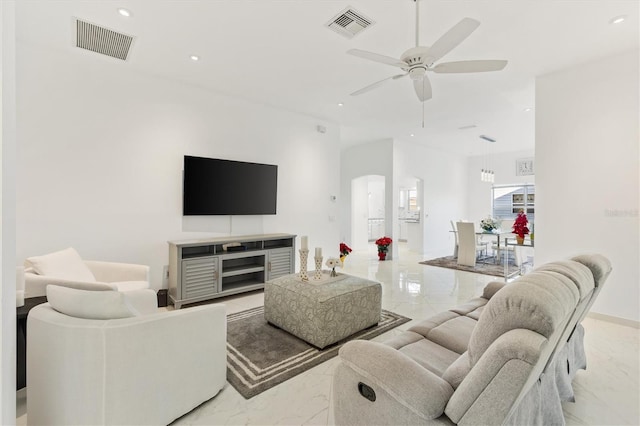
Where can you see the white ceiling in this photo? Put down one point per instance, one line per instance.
(279, 52)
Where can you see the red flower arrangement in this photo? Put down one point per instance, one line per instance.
(383, 244)
(344, 249)
(520, 224)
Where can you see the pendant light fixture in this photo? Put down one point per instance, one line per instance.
(486, 172)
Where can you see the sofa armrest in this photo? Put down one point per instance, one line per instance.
(110, 272)
(492, 288)
(36, 285)
(499, 378)
(414, 387)
(143, 302)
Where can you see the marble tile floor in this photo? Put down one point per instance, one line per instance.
(607, 393)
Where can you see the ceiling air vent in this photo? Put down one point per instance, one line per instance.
(102, 40)
(349, 22)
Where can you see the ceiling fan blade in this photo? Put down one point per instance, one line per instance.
(451, 39)
(376, 84)
(377, 58)
(469, 66)
(423, 88)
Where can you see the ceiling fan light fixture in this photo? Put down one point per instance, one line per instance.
(417, 73)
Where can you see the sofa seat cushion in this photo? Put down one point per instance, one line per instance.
(454, 334)
(403, 339)
(471, 306)
(130, 285)
(64, 264)
(424, 327)
(430, 355)
(476, 313)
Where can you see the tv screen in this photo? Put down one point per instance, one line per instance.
(223, 187)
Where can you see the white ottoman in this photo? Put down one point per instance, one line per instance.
(323, 312)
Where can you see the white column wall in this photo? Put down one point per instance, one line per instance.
(101, 155)
(8, 207)
(587, 178)
(444, 192)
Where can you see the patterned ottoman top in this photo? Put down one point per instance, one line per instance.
(325, 289)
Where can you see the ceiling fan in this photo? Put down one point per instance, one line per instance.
(416, 61)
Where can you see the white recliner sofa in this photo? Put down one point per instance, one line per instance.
(66, 268)
(113, 358)
(507, 357)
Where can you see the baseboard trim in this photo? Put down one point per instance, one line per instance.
(615, 320)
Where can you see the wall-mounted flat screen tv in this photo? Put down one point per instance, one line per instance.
(214, 186)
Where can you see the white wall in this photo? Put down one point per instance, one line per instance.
(587, 178)
(374, 158)
(101, 152)
(8, 207)
(358, 239)
(444, 193)
(504, 166)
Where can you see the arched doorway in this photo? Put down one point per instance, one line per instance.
(368, 216)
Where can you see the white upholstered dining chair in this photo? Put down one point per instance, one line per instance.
(468, 247)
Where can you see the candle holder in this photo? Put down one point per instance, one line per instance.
(304, 256)
(318, 274)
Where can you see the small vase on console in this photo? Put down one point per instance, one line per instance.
(304, 256)
(318, 273)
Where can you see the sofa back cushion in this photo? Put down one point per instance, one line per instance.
(64, 264)
(99, 305)
(599, 265)
(540, 301)
(581, 276)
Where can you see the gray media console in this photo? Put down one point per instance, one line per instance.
(202, 270)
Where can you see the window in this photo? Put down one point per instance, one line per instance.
(509, 200)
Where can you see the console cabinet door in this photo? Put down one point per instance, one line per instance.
(199, 277)
(280, 262)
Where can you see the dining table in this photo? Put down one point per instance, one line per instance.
(497, 234)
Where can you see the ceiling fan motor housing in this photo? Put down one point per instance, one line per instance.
(417, 58)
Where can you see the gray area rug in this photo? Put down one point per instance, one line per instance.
(497, 270)
(260, 356)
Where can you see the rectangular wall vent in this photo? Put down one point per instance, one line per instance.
(487, 138)
(349, 22)
(102, 40)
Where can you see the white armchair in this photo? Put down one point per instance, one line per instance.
(66, 268)
(142, 370)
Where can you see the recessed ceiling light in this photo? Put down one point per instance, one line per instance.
(412, 135)
(340, 104)
(194, 58)
(527, 109)
(618, 19)
(124, 12)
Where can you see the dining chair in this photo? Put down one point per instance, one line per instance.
(468, 247)
(455, 236)
(506, 226)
